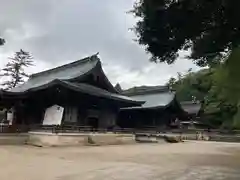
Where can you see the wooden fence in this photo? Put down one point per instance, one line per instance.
(14, 128)
(82, 129)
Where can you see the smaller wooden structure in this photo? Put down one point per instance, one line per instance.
(161, 108)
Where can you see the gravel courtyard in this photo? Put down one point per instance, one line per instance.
(184, 161)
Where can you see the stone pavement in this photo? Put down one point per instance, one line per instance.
(183, 161)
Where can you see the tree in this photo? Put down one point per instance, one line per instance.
(14, 70)
(2, 41)
(192, 85)
(171, 82)
(203, 86)
(228, 82)
(209, 27)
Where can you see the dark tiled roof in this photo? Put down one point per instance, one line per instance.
(154, 96)
(85, 89)
(66, 72)
(155, 100)
(191, 107)
(65, 76)
(95, 91)
(145, 90)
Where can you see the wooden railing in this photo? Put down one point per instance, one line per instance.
(58, 128)
(82, 129)
(77, 129)
(13, 128)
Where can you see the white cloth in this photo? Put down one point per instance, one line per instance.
(10, 117)
(53, 115)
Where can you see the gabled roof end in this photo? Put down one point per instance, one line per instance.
(69, 65)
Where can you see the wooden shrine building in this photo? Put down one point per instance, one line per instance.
(161, 108)
(78, 93)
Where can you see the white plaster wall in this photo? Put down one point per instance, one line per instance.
(48, 139)
(44, 139)
(111, 139)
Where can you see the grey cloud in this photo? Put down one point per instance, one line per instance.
(80, 27)
(58, 31)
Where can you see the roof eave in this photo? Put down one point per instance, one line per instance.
(143, 108)
(64, 84)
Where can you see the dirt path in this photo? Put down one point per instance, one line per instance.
(185, 161)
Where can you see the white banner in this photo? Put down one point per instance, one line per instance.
(53, 115)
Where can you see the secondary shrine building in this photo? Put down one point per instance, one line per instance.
(161, 108)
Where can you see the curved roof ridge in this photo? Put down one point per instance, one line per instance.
(80, 87)
(141, 90)
(66, 72)
(61, 67)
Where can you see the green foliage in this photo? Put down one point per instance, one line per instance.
(230, 83)
(205, 86)
(14, 70)
(192, 85)
(236, 119)
(209, 28)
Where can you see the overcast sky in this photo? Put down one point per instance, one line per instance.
(61, 31)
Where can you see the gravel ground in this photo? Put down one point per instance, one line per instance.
(183, 161)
